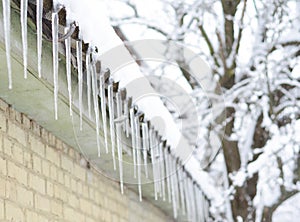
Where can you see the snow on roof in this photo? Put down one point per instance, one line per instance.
(95, 28)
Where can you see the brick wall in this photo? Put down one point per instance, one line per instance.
(43, 179)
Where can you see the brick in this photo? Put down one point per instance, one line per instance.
(17, 153)
(3, 105)
(45, 168)
(28, 162)
(67, 164)
(2, 187)
(7, 146)
(17, 173)
(31, 216)
(11, 190)
(17, 133)
(13, 212)
(37, 163)
(67, 182)
(42, 203)
(2, 123)
(79, 172)
(36, 146)
(53, 172)
(60, 193)
(37, 183)
(50, 188)
(85, 206)
(60, 176)
(24, 196)
(73, 200)
(3, 169)
(1, 210)
(56, 208)
(52, 155)
(26, 121)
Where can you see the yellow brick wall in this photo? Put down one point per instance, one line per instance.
(43, 179)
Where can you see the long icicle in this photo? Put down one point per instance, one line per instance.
(68, 68)
(80, 76)
(24, 5)
(167, 163)
(88, 80)
(55, 59)
(138, 156)
(163, 173)
(6, 20)
(172, 183)
(153, 161)
(119, 139)
(103, 109)
(111, 121)
(145, 146)
(39, 26)
(133, 139)
(181, 188)
(96, 105)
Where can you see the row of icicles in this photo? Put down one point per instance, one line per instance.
(172, 182)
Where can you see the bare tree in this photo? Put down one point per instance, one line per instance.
(252, 47)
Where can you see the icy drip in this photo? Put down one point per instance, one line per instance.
(133, 139)
(55, 58)
(111, 121)
(119, 142)
(159, 158)
(192, 199)
(39, 22)
(6, 20)
(187, 198)
(162, 172)
(80, 82)
(167, 164)
(24, 5)
(176, 183)
(138, 154)
(88, 80)
(68, 68)
(151, 140)
(196, 206)
(96, 107)
(145, 146)
(172, 184)
(181, 188)
(126, 114)
(103, 109)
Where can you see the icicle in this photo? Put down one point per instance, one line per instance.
(119, 142)
(103, 109)
(80, 82)
(55, 58)
(153, 161)
(181, 188)
(187, 198)
(138, 156)
(126, 114)
(145, 146)
(168, 171)
(68, 68)
(192, 200)
(172, 183)
(24, 5)
(159, 158)
(176, 183)
(6, 20)
(111, 121)
(162, 172)
(133, 139)
(88, 80)
(96, 105)
(39, 22)
(196, 206)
